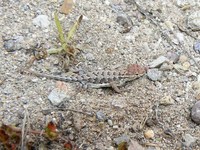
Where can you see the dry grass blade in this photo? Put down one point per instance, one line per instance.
(60, 30)
(65, 47)
(74, 28)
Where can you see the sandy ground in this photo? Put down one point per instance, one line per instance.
(103, 46)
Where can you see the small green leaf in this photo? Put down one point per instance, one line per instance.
(74, 28)
(60, 30)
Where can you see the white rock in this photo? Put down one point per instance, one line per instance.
(180, 37)
(41, 21)
(193, 21)
(110, 123)
(107, 2)
(154, 74)
(179, 68)
(182, 3)
(57, 96)
(188, 140)
(158, 62)
(198, 78)
(186, 65)
(167, 100)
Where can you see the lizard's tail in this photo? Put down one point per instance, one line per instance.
(66, 79)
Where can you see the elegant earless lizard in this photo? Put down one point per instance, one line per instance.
(101, 78)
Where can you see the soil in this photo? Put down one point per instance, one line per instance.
(103, 45)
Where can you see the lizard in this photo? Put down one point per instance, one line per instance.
(101, 78)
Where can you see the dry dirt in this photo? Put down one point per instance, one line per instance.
(103, 46)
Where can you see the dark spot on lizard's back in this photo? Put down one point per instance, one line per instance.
(114, 73)
(103, 80)
(92, 77)
(80, 78)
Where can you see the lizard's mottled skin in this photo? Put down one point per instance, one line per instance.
(101, 78)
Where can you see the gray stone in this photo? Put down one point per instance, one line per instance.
(10, 45)
(188, 140)
(123, 138)
(193, 21)
(195, 113)
(158, 62)
(101, 116)
(166, 67)
(154, 74)
(57, 97)
(183, 3)
(89, 56)
(196, 46)
(125, 21)
(14, 44)
(41, 21)
(173, 57)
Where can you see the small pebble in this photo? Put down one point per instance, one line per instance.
(123, 138)
(57, 96)
(188, 140)
(173, 57)
(193, 21)
(198, 78)
(183, 58)
(41, 21)
(180, 37)
(154, 74)
(115, 127)
(124, 20)
(101, 116)
(196, 85)
(149, 134)
(179, 68)
(186, 65)
(35, 80)
(197, 94)
(184, 3)
(167, 100)
(158, 62)
(166, 67)
(196, 46)
(110, 123)
(195, 112)
(9, 45)
(14, 44)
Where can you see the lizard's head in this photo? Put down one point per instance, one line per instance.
(135, 69)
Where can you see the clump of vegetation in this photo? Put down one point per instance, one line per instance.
(11, 138)
(65, 40)
(67, 51)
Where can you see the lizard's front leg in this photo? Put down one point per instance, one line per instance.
(114, 86)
